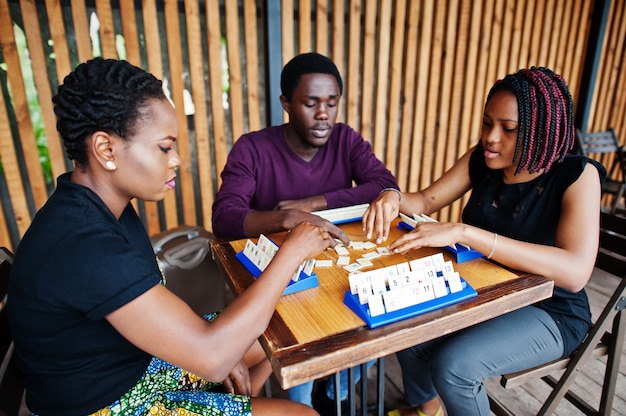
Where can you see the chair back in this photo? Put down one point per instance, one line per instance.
(612, 252)
(597, 142)
(11, 383)
(605, 147)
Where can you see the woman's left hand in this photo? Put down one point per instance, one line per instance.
(428, 234)
(238, 381)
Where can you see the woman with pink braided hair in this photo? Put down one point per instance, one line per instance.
(533, 207)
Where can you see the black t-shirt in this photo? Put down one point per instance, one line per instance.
(76, 264)
(530, 212)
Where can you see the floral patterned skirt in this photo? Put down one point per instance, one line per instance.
(166, 390)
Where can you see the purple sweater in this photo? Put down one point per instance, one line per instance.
(262, 170)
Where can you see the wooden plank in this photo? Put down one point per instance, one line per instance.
(305, 41)
(5, 237)
(474, 86)
(201, 124)
(351, 80)
(408, 94)
(288, 31)
(517, 24)
(560, 33)
(59, 39)
(288, 36)
(395, 84)
(580, 46)
(10, 164)
(619, 114)
(44, 92)
(129, 30)
(63, 67)
(337, 39)
(81, 29)
(506, 34)
(233, 46)
(495, 42)
(617, 69)
(321, 27)
(368, 48)
(612, 67)
(252, 64)
(24, 123)
(304, 26)
(423, 80)
(155, 66)
(175, 60)
(382, 99)
(107, 29)
(454, 140)
(535, 41)
(429, 155)
(547, 33)
(529, 17)
(551, 33)
(215, 84)
(574, 21)
(445, 141)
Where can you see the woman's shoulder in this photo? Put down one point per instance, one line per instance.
(573, 165)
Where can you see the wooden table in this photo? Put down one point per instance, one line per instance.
(313, 334)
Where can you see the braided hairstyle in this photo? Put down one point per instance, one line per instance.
(102, 95)
(306, 63)
(546, 117)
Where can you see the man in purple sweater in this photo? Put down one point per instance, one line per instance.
(275, 177)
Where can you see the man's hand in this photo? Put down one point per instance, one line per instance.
(331, 228)
(268, 222)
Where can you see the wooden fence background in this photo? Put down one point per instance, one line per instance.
(416, 74)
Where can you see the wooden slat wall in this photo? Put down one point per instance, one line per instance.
(415, 77)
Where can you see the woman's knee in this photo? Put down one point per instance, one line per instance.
(263, 406)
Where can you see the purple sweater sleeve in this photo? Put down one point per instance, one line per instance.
(261, 171)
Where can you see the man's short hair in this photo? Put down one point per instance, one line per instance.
(306, 63)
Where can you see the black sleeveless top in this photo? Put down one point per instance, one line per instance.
(530, 212)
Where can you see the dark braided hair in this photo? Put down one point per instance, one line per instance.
(546, 117)
(102, 95)
(306, 63)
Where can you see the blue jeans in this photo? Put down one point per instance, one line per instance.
(454, 366)
(303, 393)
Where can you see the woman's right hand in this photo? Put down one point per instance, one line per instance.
(379, 215)
(307, 240)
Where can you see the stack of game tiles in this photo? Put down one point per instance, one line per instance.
(256, 257)
(396, 292)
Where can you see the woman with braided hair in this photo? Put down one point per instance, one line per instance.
(533, 207)
(96, 330)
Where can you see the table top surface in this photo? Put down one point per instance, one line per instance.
(313, 333)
